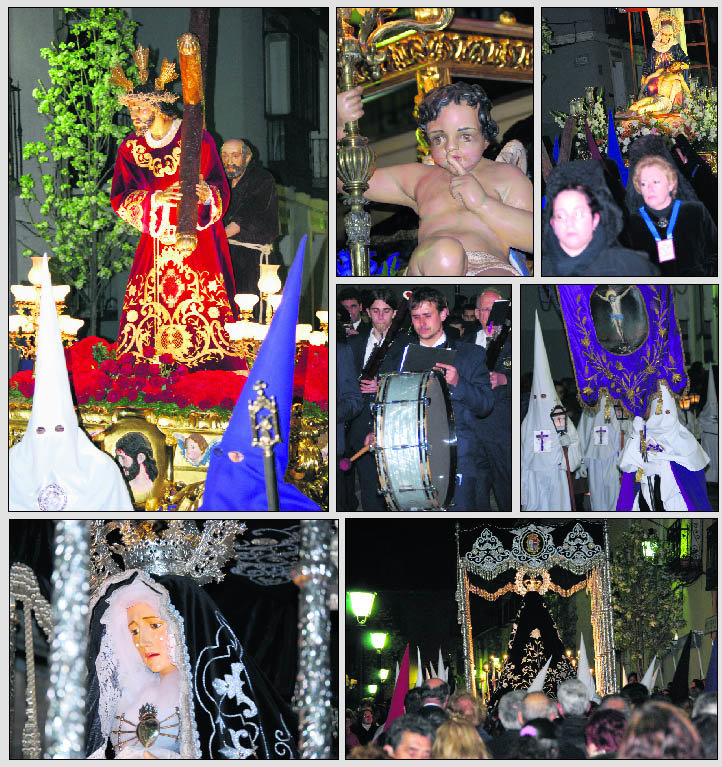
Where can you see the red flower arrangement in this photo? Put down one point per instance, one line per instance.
(99, 377)
(310, 380)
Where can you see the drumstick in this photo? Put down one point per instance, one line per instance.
(345, 463)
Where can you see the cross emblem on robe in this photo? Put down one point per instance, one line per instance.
(602, 434)
(541, 436)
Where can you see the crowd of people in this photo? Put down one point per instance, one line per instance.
(530, 725)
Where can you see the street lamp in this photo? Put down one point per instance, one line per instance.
(372, 688)
(361, 604)
(378, 640)
(621, 415)
(383, 674)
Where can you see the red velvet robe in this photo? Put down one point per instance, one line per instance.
(177, 306)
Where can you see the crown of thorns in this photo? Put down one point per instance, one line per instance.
(131, 96)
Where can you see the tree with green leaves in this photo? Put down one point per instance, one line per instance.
(647, 600)
(68, 200)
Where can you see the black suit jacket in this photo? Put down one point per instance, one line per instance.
(363, 423)
(349, 400)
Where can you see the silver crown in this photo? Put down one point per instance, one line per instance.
(180, 549)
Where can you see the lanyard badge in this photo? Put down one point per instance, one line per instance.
(665, 248)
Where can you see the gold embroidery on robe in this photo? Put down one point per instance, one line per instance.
(182, 313)
(159, 166)
(131, 209)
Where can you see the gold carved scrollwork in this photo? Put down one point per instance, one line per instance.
(450, 47)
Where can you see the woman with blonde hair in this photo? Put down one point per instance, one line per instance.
(666, 220)
(458, 739)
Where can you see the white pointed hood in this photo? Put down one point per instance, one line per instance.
(544, 484)
(542, 400)
(441, 672)
(419, 668)
(649, 676)
(55, 467)
(583, 674)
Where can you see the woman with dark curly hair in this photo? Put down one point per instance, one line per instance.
(660, 731)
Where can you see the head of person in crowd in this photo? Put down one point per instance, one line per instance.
(409, 737)
(656, 180)
(412, 700)
(575, 217)
(369, 751)
(706, 726)
(509, 710)
(580, 218)
(660, 731)
(435, 692)
(458, 739)
(706, 703)
(636, 693)
(603, 731)
(366, 717)
(236, 155)
(484, 304)
(381, 309)
(536, 705)
(574, 698)
(468, 312)
(428, 308)
(537, 740)
(464, 704)
(616, 702)
(632, 677)
(641, 151)
(350, 719)
(343, 323)
(350, 299)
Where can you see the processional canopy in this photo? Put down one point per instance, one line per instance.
(537, 557)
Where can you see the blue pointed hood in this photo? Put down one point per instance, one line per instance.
(241, 486)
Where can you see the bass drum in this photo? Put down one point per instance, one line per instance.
(415, 443)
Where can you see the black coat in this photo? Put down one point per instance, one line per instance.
(695, 241)
(603, 256)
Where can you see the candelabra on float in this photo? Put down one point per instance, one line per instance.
(23, 326)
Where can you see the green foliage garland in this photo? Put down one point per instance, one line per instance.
(91, 243)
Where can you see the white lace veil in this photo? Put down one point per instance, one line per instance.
(120, 670)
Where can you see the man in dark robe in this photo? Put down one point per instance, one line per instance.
(251, 220)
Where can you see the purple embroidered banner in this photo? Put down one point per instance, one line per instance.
(623, 339)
